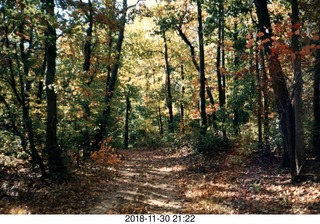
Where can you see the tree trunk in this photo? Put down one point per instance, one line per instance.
(260, 106)
(86, 70)
(236, 64)
(316, 106)
(223, 58)
(160, 121)
(220, 63)
(54, 158)
(168, 79)
(88, 43)
(265, 89)
(203, 115)
(297, 96)
(182, 100)
(111, 81)
(282, 97)
(220, 58)
(196, 65)
(126, 129)
(25, 105)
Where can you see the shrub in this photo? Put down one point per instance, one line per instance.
(210, 143)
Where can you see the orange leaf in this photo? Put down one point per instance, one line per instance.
(249, 44)
(260, 34)
(315, 37)
(289, 34)
(296, 26)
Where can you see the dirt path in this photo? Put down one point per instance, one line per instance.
(143, 183)
(159, 181)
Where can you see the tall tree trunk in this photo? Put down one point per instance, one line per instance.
(159, 116)
(182, 100)
(203, 114)
(160, 121)
(168, 84)
(236, 64)
(13, 86)
(126, 129)
(111, 81)
(40, 79)
(265, 90)
(195, 63)
(297, 96)
(220, 57)
(88, 43)
(54, 158)
(86, 69)
(282, 97)
(316, 106)
(223, 58)
(260, 106)
(109, 58)
(25, 94)
(220, 63)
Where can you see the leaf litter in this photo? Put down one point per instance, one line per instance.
(161, 181)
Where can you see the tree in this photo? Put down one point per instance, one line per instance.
(111, 83)
(55, 162)
(18, 46)
(168, 82)
(126, 129)
(316, 106)
(279, 85)
(203, 114)
(298, 89)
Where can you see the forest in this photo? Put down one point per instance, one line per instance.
(159, 107)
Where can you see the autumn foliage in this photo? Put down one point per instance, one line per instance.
(106, 155)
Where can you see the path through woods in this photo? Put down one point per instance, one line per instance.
(161, 181)
(144, 183)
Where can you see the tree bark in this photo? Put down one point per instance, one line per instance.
(316, 106)
(279, 85)
(236, 63)
(182, 100)
(54, 158)
(168, 84)
(86, 69)
(194, 61)
(260, 106)
(265, 90)
(298, 89)
(220, 58)
(203, 114)
(25, 92)
(126, 129)
(88, 43)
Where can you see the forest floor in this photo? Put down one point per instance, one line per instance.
(159, 181)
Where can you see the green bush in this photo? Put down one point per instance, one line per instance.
(210, 143)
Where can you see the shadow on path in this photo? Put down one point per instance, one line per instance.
(144, 183)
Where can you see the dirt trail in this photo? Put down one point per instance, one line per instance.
(144, 183)
(160, 181)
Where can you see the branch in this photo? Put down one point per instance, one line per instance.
(192, 52)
